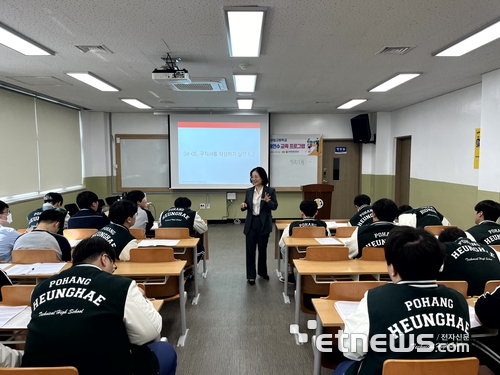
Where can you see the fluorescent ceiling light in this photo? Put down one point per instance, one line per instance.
(245, 103)
(479, 38)
(22, 44)
(351, 103)
(136, 103)
(94, 81)
(393, 82)
(244, 27)
(245, 83)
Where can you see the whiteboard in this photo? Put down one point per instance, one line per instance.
(293, 170)
(144, 163)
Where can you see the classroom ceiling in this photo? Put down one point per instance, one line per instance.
(316, 54)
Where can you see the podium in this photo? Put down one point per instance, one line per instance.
(321, 193)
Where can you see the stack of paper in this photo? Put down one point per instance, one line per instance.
(473, 321)
(15, 317)
(4, 265)
(73, 243)
(346, 308)
(328, 241)
(35, 269)
(149, 243)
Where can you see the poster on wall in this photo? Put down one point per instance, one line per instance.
(477, 148)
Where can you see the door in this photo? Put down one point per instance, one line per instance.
(402, 178)
(342, 169)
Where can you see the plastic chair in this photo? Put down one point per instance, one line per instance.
(437, 229)
(455, 366)
(28, 256)
(79, 233)
(345, 232)
(68, 370)
(491, 286)
(17, 295)
(172, 233)
(459, 285)
(137, 233)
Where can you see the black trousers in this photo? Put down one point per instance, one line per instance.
(255, 239)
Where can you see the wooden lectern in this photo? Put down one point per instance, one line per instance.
(319, 191)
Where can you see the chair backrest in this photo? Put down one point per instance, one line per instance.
(27, 256)
(308, 232)
(79, 233)
(452, 366)
(437, 229)
(373, 253)
(17, 295)
(327, 253)
(344, 232)
(72, 208)
(152, 254)
(351, 290)
(68, 370)
(491, 286)
(495, 247)
(21, 231)
(172, 233)
(459, 285)
(137, 233)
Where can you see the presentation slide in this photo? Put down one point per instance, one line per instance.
(217, 153)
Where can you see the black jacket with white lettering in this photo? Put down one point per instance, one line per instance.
(117, 236)
(178, 218)
(487, 232)
(363, 217)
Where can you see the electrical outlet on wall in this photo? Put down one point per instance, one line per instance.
(207, 206)
(202, 206)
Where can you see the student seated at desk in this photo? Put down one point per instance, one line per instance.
(420, 217)
(7, 235)
(374, 234)
(364, 216)
(88, 216)
(123, 215)
(486, 230)
(468, 260)
(143, 220)
(51, 201)
(99, 323)
(414, 304)
(46, 236)
(308, 212)
(487, 349)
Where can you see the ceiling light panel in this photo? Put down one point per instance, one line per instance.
(351, 103)
(22, 44)
(395, 81)
(245, 103)
(94, 81)
(136, 103)
(245, 83)
(244, 26)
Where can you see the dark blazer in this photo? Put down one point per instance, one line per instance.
(265, 209)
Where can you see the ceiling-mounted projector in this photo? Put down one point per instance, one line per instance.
(171, 76)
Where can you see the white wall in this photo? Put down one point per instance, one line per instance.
(330, 125)
(95, 140)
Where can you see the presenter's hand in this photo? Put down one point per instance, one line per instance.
(243, 206)
(266, 198)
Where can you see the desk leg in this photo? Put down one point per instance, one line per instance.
(182, 301)
(195, 271)
(297, 297)
(278, 236)
(204, 274)
(317, 353)
(285, 287)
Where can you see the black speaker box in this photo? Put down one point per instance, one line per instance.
(361, 132)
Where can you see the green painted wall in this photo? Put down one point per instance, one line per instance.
(377, 186)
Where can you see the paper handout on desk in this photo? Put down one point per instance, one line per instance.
(73, 243)
(472, 315)
(13, 317)
(346, 308)
(35, 269)
(5, 265)
(149, 243)
(328, 241)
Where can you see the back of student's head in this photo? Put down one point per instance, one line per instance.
(414, 253)
(52, 216)
(90, 249)
(86, 198)
(403, 208)
(385, 209)
(135, 196)
(361, 200)
(53, 198)
(3, 206)
(120, 211)
(309, 208)
(490, 209)
(182, 202)
(451, 235)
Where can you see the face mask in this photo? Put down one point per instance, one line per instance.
(9, 218)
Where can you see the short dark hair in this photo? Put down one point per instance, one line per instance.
(53, 198)
(490, 209)
(89, 249)
(120, 211)
(262, 173)
(3, 206)
(385, 209)
(361, 200)
(86, 198)
(135, 196)
(414, 253)
(451, 234)
(182, 202)
(403, 208)
(309, 208)
(51, 216)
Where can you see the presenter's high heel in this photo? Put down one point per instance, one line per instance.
(251, 282)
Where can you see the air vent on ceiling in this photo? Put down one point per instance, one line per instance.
(94, 49)
(399, 50)
(200, 85)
